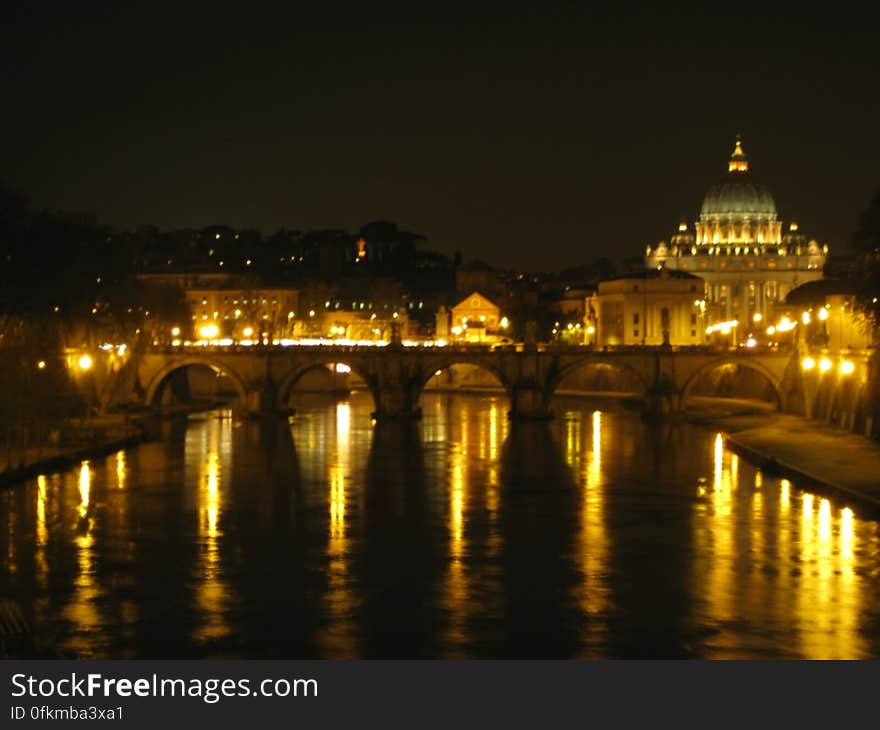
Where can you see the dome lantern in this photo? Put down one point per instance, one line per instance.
(738, 160)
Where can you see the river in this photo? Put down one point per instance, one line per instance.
(462, 535)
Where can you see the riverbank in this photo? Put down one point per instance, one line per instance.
(92, 440)
(812, 452)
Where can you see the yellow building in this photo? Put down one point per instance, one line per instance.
(477, 319)
(654, 307)
(826, 316)
(243, 313)
(362, 326)
(230, 306)
(739, 248)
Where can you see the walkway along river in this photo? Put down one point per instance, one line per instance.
(464, 535)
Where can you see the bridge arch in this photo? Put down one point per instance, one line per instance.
(599, 363)
(287, 383)
(159, 381)
(751, 364)
(436, 367)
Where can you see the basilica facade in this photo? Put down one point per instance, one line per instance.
(747, 257)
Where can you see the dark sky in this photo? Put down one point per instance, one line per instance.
(531, 139)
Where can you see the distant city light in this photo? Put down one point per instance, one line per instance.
(209, 331)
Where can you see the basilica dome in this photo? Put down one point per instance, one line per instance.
(738, 197)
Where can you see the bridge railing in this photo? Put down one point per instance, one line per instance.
(466, 349)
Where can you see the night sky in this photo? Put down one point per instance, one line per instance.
(537, 140)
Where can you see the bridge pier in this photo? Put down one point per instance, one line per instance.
(529, 403)
(396, 404)
(261, 401)
(663, 403)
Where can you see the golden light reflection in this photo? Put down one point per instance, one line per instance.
(824, 521)
(828, 600)
(338, 475)
(596, 453)
(42, 532)
(457, 494)
(340, 638)
(801, 580)
(82, 610)
(784, 495)
(846, 532)
(456, 588)
(493, 430)
(808, 507)
(41, 565)
(594, 543)
(121, 469)
(85, 486)
(210, 442)
(497, 426)
(718, 471)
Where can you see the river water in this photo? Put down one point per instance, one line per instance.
(460, 536)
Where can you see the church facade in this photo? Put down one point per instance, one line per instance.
(749, 259)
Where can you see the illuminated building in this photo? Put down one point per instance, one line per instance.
(649, 308)
(232, 306)
(477, 318)
(739, 248)
(245, 313)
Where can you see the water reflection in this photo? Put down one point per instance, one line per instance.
(463, 535)
(210, 448)
(82, 610)
(339, 641)
(777, 583)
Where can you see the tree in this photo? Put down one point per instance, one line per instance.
(866, 241)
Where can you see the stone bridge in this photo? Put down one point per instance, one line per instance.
(264, 376)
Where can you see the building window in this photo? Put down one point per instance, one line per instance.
(635, 333)
(635, 318)
(693, 319)
(693, 333)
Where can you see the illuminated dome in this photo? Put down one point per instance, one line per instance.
(739, 209)
(739, 196)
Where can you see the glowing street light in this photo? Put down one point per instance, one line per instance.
(808, 363)
(85, 362)
(209, 331)
(175, 331)
(824, 364)
(847, 367)
(823, 314)
(41, 365)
